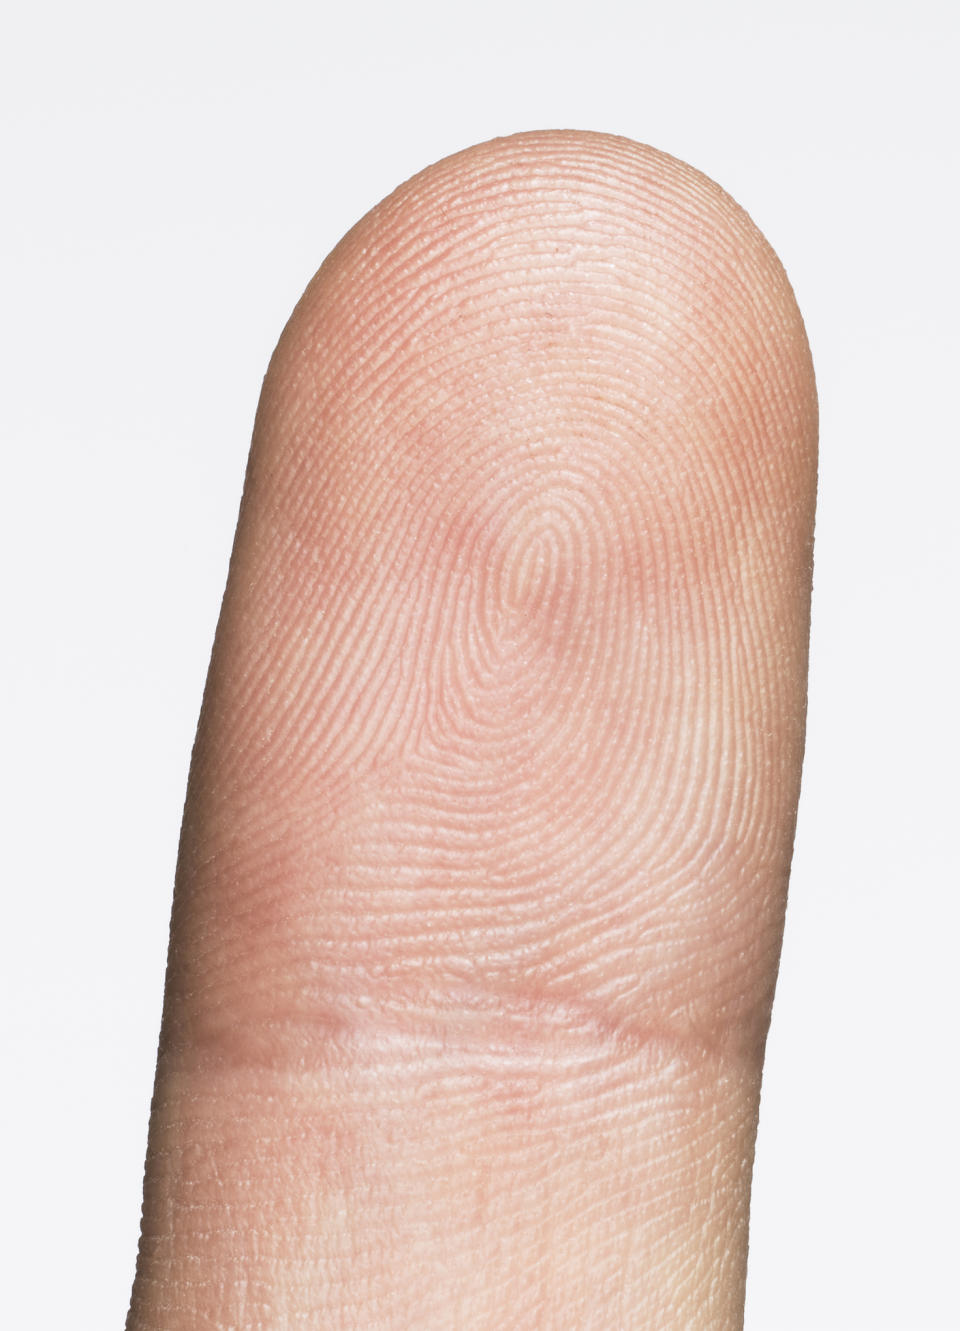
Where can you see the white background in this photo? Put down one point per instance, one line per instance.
(173, 176)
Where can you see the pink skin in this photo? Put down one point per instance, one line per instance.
(484, 861)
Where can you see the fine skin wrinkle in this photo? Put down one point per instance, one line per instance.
(485, 855)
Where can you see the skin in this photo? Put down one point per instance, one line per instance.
(485, 854)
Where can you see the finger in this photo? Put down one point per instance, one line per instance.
(485, 853)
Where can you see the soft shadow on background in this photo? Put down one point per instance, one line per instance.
(173, 177)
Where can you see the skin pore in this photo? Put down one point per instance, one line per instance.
(485, 853)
